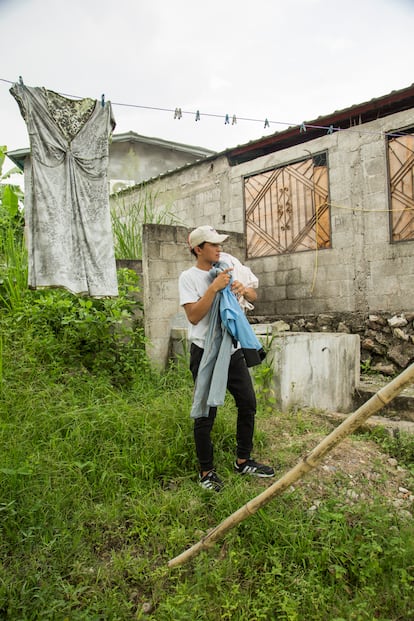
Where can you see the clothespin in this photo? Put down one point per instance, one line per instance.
(234, 120)
(197, 115)
(302, 128)
(330, 130)
(103, 100)
(227, 120)
(178, 113)
(266, 124)
(21, 80)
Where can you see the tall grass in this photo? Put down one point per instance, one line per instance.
(128, 218)
(13, 269)
(13, 256)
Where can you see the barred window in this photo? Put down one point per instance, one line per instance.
(287, 208)
(401, 176)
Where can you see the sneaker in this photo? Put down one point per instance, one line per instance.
(254, 468)
(211, 481)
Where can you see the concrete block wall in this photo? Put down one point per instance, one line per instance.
(165, 255)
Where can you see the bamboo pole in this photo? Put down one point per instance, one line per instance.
(307, 463)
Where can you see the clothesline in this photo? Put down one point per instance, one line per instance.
(233, 119)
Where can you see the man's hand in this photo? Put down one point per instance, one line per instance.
(197, 310)
(222, 280)
(238, 288)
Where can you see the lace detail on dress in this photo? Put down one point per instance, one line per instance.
(20, 103)
(71, 115)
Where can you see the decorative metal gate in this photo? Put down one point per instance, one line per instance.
(287, 209)
(401, 175)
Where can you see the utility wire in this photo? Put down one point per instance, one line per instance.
(233, 119)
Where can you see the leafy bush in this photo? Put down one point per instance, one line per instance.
(99, 335)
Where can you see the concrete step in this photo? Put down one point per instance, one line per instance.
(400, 408)
(392, 425)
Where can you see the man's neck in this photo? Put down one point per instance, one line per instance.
(204, 265)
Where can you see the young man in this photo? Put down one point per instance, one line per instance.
(198, 288)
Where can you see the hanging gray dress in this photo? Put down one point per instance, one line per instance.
(68, 223)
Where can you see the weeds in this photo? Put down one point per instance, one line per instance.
(127, 221)
(263, 377)
(13, 258)
(399, 445)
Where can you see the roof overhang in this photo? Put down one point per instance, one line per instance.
(18, 157)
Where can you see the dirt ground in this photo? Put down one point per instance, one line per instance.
(361, 471)
(356, 469)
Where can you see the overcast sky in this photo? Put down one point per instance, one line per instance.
(285, 60)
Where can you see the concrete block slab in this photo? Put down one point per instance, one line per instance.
(317, 370)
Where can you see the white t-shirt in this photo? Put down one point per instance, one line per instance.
(194, 282)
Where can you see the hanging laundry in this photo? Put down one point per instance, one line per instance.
(68, 223)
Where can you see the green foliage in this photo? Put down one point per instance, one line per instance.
(263, 377)
(399, 445)
(98, 492)
(366, 366)
(97, 335)
(13, 260)
(100, 336)
(128, 218)
(10, 195)
(13, 267)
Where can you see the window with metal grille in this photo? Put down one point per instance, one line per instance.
(287, 208)
(401, 177)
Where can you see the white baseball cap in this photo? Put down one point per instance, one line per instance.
(205, 234)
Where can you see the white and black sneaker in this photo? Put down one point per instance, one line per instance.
(211, 481)
(254, 468)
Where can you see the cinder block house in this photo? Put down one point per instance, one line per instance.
(325, 210)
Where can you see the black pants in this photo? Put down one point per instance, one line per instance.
(240, 386)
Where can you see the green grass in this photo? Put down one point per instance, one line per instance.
(98, 492)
